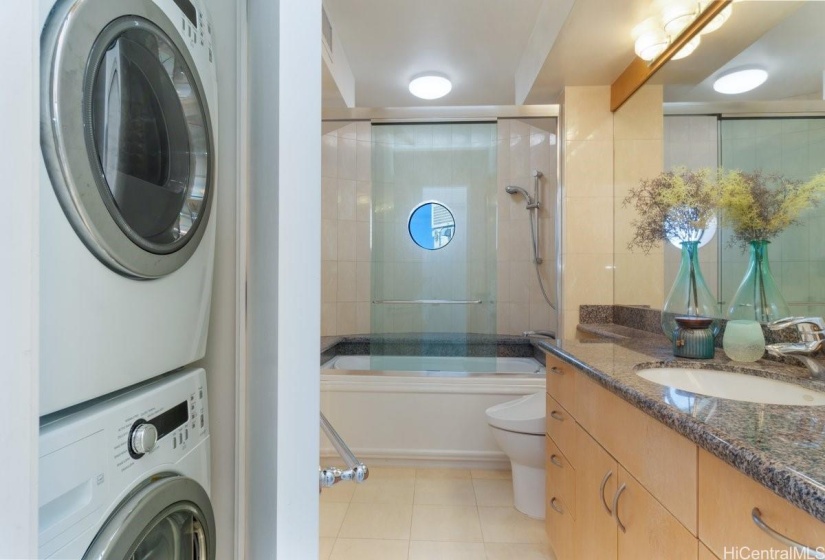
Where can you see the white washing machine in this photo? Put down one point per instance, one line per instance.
(128, 136)
(128, 477)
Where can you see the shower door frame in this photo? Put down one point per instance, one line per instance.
(477, 113)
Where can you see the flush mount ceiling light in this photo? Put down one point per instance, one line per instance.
(689, 47)
(651, 44)
(430, 86)
(740, 81)
(718, 21)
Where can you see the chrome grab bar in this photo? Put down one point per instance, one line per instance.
(429, 301)
(355, 471)
(818, 554)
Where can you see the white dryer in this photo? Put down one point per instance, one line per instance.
(128, 136)
(128, 476)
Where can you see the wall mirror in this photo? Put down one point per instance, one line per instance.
(777, 127)
(431, 225)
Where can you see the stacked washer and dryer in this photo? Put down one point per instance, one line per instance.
(128, 135)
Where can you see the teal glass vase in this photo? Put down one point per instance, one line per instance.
(690, 295)
(758, 298)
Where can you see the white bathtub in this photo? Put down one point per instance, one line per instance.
(432, 416)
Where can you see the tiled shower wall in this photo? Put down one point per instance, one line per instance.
(523, 145)
(345, 236)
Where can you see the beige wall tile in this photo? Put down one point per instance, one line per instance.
(329, 198)
(635, 160)
(329, 281)
(640, 279)
(363, 201)
(362, 319)
(641, 117)
(329, 240)
(329, 155)
(346, 281)
(589, 224)
(345, 318)
(328, 319)
(346, 199)
(363, 161)
(347, 239)
(588, 169)
(588, 279)
(362, 242)
(587, 113)
(363, 288)
(346, 158)
(363, 130)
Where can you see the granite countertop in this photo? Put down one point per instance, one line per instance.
(782, 447)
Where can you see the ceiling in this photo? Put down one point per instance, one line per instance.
(480, 45)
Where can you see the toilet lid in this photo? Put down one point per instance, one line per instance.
(525, 415)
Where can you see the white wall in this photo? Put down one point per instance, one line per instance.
(284, 278)
(19, 159)
(221, 353)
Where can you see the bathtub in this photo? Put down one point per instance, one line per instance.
(422, 411)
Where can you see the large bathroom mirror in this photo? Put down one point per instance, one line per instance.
(777, 127)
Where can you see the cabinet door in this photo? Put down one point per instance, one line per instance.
(650, 531)
(595, 528)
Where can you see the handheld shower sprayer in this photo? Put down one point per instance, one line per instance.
(533, 205)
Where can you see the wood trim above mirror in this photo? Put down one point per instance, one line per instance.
(639, 71)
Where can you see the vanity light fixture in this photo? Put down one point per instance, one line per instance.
(689, 47)
(430, 86)
(651, 44)
(740, 81)
(718, 21)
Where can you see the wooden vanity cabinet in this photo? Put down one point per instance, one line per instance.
(592, 447)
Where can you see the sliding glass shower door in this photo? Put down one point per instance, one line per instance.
(433, 230)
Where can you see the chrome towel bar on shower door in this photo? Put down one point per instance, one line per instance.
(355, 471)
(429, 301)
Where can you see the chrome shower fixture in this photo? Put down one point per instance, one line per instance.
(512, 189)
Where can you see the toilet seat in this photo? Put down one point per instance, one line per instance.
(525, 415)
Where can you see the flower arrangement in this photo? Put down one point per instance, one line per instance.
(677, 204)
(760, 206)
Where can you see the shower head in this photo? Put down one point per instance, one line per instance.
(512, 189)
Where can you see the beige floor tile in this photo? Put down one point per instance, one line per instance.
(377, 521)
(445, 491)
(395, 473)
(341, 493)
(518, 551)
(370, 549)
(385, 491)
(442, 473)
(445, 523)
(325, 547)
(429, 550)
(507, 525)
(331, 517)
(493, 492)
(494, 474)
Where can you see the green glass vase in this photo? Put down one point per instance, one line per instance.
(758, 298)
(690, 295)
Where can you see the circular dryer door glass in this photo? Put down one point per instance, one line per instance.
(149, 139)
(178, 536)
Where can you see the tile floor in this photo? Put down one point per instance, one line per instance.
(428, 514)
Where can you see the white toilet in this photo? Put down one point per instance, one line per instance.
(518, 428)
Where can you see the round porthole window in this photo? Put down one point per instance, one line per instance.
(431, 225)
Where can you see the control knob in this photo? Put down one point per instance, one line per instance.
(143, 440)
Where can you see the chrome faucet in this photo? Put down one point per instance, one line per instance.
(812, 332)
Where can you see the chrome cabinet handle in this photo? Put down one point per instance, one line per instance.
(556, 461)
(621, 489)
(756, 515)
(554, 503)
(556, 415)
(601, 492)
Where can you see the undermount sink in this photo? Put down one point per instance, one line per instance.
(734, 386)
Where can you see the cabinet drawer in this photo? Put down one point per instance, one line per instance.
(560, 527)
(662, 460)
(561, 382)
(726, 502)
(561, 478)
(561, 428)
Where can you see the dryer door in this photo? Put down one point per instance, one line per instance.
(126, 134)
(168, 519)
